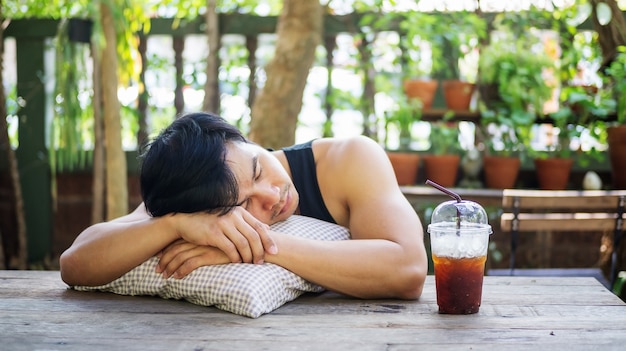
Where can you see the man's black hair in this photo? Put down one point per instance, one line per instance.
(184, 168)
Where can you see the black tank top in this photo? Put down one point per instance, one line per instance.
(304, 174)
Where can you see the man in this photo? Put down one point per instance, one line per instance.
(210, 196)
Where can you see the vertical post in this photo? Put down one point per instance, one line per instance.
(252, 42)
(514, 232)
(330, 43)
(617, 238)
(178, 45)
(32, 153)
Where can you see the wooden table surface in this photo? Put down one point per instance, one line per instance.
(38, 312)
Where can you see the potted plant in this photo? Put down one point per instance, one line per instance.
(553, 165)
(416, 29)
(404, 160)
(441, 164)
(517, 91)
(458, 34)
(448, 37)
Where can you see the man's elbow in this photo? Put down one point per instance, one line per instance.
(412, 282)
(70, 268)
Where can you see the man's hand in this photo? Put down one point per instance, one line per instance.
(238, 234)
(181, 258)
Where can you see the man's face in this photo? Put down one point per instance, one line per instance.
(265, 189)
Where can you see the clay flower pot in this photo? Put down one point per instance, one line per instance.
(442, 169)
(553, 173)
(405, 166)
(458, 94)
(421, 89)
(500, 171)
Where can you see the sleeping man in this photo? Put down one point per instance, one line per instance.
(210, 195)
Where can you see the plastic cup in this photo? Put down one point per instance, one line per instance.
(459, 251)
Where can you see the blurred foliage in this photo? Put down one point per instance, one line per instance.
(133, 15)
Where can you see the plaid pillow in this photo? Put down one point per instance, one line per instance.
(246, 289)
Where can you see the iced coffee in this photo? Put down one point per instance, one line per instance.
(459, 237)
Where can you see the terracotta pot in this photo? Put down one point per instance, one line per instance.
(500, 171)
(442, 169)
(617, 155)
(458, 94)
(421, 89)
(405, 166)
(553, 173)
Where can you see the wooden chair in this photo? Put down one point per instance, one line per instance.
(565, 211)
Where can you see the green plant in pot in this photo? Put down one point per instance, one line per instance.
(416, 29)
(442, 162)
(402, 118)
(457, 34)
(517, 75)
(449, 37)
(444, 138)
(513, 93)
(506, 119)
(553, 165)
(583, 108)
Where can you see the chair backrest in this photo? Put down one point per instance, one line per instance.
(563, 210)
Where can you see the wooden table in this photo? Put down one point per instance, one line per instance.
(37, 312)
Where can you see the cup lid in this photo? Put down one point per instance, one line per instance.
(464, 213)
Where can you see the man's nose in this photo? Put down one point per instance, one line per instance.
(270, 196)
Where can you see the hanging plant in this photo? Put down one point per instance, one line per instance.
(71, 125)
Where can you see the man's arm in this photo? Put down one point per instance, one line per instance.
(386, 257)
(105, 251)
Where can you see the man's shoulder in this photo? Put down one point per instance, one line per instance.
(351, 152)
(347, 144)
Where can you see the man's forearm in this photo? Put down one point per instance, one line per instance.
(373, 268)
(105, 251)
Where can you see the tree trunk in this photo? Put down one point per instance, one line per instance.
(116, 174)
(276, 108)
(211, 101)
(369, 89)
(611, 35)
(142, 98)
(19, 259)
(99, 171)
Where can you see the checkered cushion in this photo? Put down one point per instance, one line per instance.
(246, 289)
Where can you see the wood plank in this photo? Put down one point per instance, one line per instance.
(596, 273)
(544, 199)
(565, 199)
(534, 222)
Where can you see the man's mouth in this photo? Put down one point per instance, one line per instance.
(283, 203)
